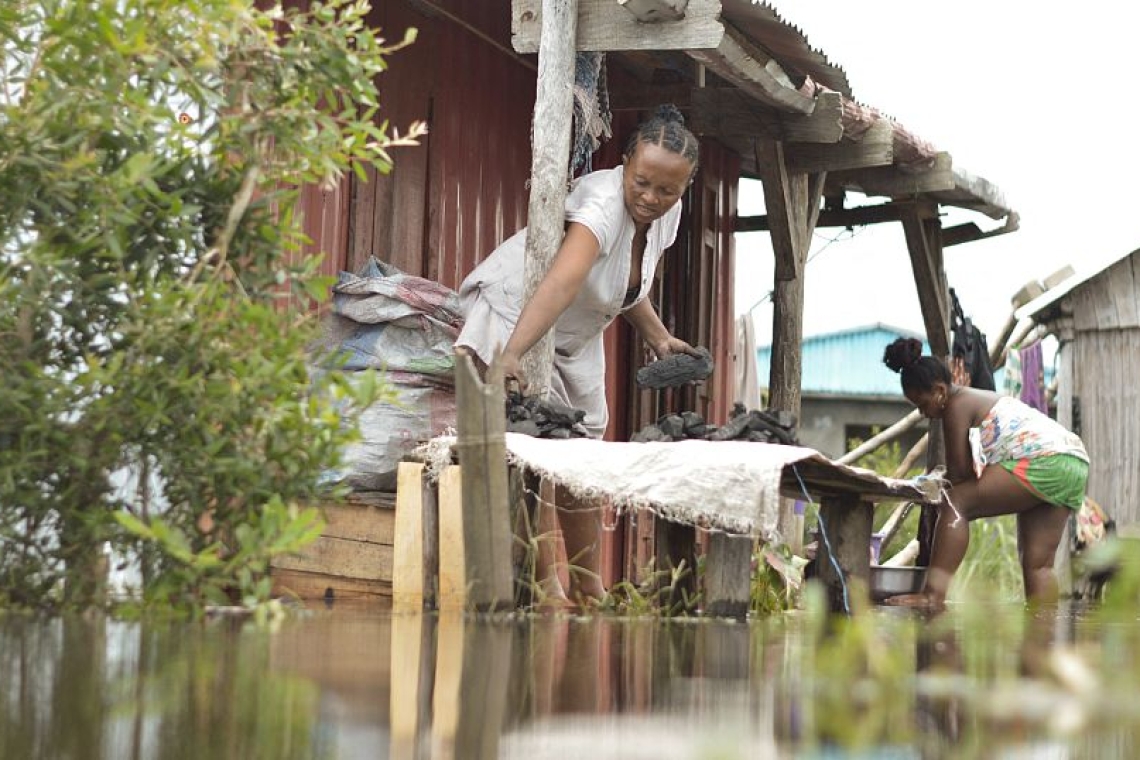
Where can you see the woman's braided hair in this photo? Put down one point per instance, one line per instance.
(916, 372)
(666, 128)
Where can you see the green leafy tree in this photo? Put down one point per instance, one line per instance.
(154, 310)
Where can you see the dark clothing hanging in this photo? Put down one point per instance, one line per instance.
(970, 345)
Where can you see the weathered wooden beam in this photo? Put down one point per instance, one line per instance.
(482, 449)
(604, 25)
(753, 70)
(874, 149)
(736, 118)
(728, 576)
(849, 217)
(550, 152)
(893, 181)
(653, 11)
(845, 521)
(924, 243)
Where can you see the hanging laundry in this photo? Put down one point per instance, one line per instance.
(592, 116)
(1033, 377)
(970, 348)
(1011, 386)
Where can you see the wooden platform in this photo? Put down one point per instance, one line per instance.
(353, 557)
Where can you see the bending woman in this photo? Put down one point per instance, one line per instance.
(618, 224)
(1033, 467)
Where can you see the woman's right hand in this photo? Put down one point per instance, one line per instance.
(511, 365)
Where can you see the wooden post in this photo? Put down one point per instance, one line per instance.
(792, 201)
(847, 523)
(728, 575)
(481, 445)
(408, 546)
(430, 531)
(1064, 329)
(550, 156)
(923, 231)
(452, 570)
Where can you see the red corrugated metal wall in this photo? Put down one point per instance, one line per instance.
(449, 202)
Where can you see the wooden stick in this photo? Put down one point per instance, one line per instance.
(916, 451)
(888, 435)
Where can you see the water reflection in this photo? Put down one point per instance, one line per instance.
(352, 683)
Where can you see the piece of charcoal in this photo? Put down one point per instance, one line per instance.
(526, 427)
(675, 370)
(558, 432)
(732, 429)
(700, 431)
(691, 420)
(648, 434)
(672, 425)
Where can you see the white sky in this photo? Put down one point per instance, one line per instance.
(1037, 97)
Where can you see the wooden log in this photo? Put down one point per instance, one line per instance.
(871, 444)
(846, 522)
(550, 152)
(728, 576)
(452, 563)
(408, 551)
(482, 449)
(912, 456)
(675, 546)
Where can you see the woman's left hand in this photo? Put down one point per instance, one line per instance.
(671, 345)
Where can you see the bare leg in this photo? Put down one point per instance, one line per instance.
(1039, 532)
(581, 522)
(996, 492)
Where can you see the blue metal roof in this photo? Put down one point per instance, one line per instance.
(848, 362)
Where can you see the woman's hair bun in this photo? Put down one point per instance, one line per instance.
(902, 353)
(668, 112)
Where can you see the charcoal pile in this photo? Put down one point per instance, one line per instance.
(767, 426)
(540, 418)
(676, 370)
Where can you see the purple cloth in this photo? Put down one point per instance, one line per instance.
(1033, 377)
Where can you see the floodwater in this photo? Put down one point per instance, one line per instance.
(990, 681)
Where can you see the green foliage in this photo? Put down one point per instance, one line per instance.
(154, 305)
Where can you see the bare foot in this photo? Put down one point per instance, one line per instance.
(927, 602)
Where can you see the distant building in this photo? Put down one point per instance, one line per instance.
(847, 390)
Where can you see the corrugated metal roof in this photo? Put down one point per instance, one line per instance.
(789, 45)
(848, 362)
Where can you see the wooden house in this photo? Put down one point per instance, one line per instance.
(763, 102)
(1095, 317)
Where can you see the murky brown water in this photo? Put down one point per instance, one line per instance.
(347, 683)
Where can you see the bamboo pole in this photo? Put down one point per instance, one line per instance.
(888, 435)
(550, 153)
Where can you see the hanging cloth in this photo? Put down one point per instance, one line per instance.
(1033, 377)
(969, 346)
(592, 117)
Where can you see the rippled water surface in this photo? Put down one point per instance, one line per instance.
(354, 683)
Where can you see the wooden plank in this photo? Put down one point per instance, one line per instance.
(408, 551)
(652, 11)
(404, 684)
(873, 149)
(362, 221)
(359, 523)
(728, 575)
(892, 181)
(751, 68)
(550, 147)
(846, 522)
(482, 449)
(341, 558)
(851, 217)
(309, 585)
(604, 25)
(1124, 292)
(452, 563)
(731, 115)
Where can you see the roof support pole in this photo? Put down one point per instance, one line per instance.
(792, 202)
(923, 231)
(550, 152)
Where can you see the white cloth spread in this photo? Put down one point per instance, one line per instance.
(733, 486)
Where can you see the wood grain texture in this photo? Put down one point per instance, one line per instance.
(604, 25)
